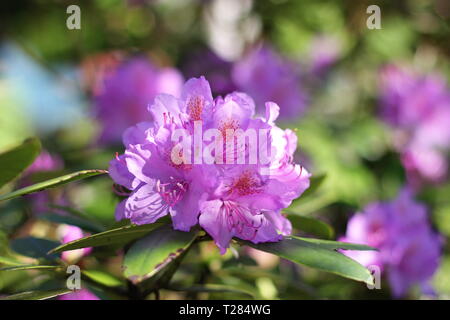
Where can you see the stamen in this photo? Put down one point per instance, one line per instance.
(241, 219)
(195, 108)
(171, 192)
(245, 184)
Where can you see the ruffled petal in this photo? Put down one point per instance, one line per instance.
(212, 220)
(138, 134)
(136, 156)
(197, 98)
(166, 109)
(119, 172)
(119, 213)
(185, 213)
(145, 206)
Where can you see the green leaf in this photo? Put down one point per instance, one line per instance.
(335, 245)
(15, 161)
(314, 183)
(73, 221)
(31, 267)
(52, 183)
(150, 254)
(119, 235)
(41, 176)
(37, 295)
(316, 255)
(35, 247)
(312, 226)
(103, 278)
(9, 261)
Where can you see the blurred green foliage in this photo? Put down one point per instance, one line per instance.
(340, 135)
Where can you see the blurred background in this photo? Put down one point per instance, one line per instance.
(371, 108)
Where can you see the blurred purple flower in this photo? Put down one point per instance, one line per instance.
(67, 234)
(418, 108)
(409, 250)
(227, 200)
(82, 294)
(127, 93)
(408, 99)
(324, 52)
(45, 162)
(218, 71)
(266, 76)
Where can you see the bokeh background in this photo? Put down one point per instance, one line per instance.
(358, 99)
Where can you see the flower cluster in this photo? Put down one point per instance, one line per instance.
(126, 89)
(418, 107)
(409, 250)
(226, 198)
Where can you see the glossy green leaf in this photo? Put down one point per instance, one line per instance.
(103, 278)
(149, 255)
(335, 245)
(119, 235)
(312, 226)
(34, 247)
(31, 267)
(316, 255)
(52, 183)
(15, 161)
(73, 221)
(37, 295)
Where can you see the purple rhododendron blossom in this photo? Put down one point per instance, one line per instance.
(409, 250)
(67, 234)
(126, 93)
(266, 76)
(418, 108)
(226, 199)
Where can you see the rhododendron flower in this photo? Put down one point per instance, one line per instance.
(126, 93)
(226, 196)
(409, 250)
(67, 234)
(266, 76)
(418, 108)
